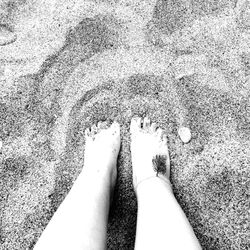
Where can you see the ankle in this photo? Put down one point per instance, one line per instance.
(153, 182)
(100, 175)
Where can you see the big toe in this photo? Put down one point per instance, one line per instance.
(102, 125)
(146, 123)
(135, 124)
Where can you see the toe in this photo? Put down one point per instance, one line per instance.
(135, 124)
(159, 132)
(87, 132)
(164, 138)
(94, 129)
(116, 127)
(146, 122)
(153, 127)
(102, 124)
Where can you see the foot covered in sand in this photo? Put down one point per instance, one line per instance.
(101, 151)
(149, 151)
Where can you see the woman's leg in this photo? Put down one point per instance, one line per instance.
(81, 220)
(161, 223)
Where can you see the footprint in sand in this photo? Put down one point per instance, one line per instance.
(7, 36)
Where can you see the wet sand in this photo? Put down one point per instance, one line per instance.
(187, 73)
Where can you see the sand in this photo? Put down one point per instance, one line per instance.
(192, 71)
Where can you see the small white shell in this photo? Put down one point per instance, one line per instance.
(6, 35)
(185, 134)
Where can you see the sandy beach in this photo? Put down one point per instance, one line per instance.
(74, 63)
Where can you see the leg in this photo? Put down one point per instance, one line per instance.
(81, 220)
(161, 223)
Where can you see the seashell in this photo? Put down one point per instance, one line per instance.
(185, 134)
(1, 144)
(7, 36)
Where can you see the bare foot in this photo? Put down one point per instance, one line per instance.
(101, 151)
(149, 151)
